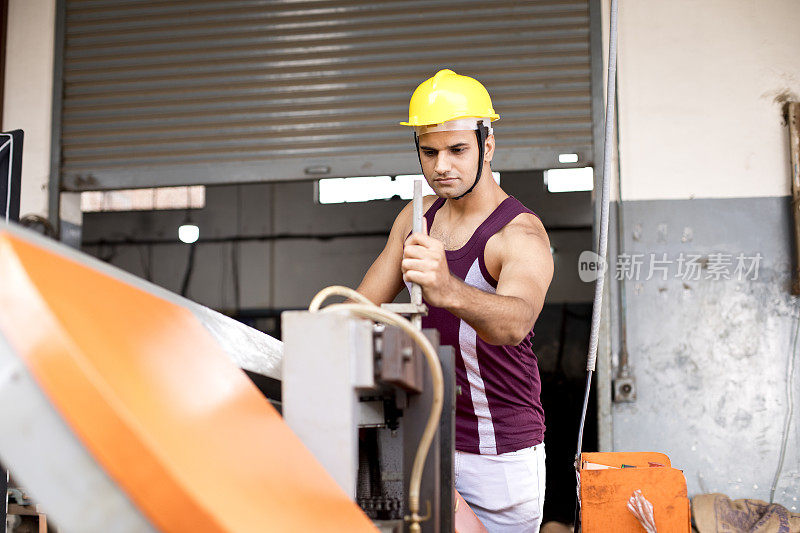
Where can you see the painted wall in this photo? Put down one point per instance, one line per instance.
(28, 94)
(701, 86)
(705, 170)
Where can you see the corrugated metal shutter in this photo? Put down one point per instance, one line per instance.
(192, 91)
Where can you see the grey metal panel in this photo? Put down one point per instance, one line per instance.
(166, 93)
(710, 357)
(319, 389)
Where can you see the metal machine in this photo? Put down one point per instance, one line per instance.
(375, 403)
(358, 395)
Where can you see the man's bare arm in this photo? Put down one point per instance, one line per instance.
(526, 269)
(383, 281)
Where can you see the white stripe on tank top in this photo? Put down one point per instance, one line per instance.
(467, 340)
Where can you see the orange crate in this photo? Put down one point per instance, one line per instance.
(605, 493)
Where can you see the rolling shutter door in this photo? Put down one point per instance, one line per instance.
(188, 92)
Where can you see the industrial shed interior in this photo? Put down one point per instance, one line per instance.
(269, 129)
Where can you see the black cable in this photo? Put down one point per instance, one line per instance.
(187, 276)
(235, 266)
(146, 270)
(237, 300)
(241, 238)
(107, 257)
(38, 223)
(278, 237)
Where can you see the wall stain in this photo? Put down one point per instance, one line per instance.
(742, 419)
(781, 96)
(720, 418)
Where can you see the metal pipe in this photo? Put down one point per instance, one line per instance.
(607, 145)
(603, 244)
(584, 408)
(624, 366)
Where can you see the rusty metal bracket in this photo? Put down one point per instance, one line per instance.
(793, 121)
(624, 390)
(400, 361)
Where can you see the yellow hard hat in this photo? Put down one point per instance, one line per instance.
(449, 96)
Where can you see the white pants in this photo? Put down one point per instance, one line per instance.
(506, 491)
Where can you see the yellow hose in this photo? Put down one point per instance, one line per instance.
(337, 290)
(371, 311)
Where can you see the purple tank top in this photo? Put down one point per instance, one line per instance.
(498, 409)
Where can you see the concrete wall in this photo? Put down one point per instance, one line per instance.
(28, 94)
(704, 169)
(701, 86)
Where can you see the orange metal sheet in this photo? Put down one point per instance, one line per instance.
(155, 400)
(605, 493)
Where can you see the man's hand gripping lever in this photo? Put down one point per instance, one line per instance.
(416, 309)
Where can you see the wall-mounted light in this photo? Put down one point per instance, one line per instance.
(188, 233)
(567, 158)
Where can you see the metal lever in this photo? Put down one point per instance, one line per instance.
(416, 227)
(416, 309)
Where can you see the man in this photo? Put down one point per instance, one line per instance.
(484, 265)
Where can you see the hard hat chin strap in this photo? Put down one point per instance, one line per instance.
(481, 133)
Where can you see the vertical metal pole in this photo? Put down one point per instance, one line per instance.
(608, 336)
(793, 120)
(4, 488)
(603, 234)
(416, 227)
(54, 181)
(604, 212)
